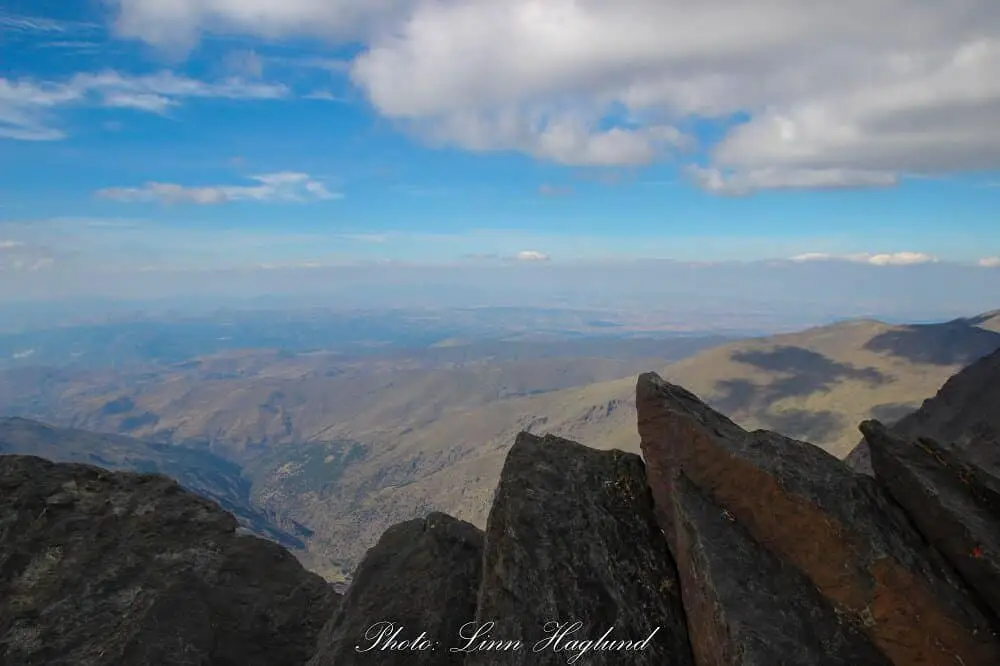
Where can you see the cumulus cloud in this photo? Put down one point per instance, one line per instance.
(990, 262)
(178, 24)
(27, 105)
(882, 259)
(284, 186)
(847, 94)
(531, 255)
(746, 182)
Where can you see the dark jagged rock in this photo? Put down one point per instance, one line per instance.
(954, 503)
(838, 528)
(745, 606)
(420, 578)
(116, 568)
(964, 413)
(571, 537)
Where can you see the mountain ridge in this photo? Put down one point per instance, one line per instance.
(425, 443)
(743, 548)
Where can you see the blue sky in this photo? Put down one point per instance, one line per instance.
(139, 136)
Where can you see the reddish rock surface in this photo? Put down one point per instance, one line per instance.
(838, 528)
(747, 607)
(954, 503)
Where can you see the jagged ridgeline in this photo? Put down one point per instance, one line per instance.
(717, 547)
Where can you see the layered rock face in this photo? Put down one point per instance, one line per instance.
(952, 501)
(116, 568)
(841, 532)
(573, 553)
(745, 605)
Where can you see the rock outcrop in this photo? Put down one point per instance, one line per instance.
(573, 553)
(746, 606)
(954, 503)
(117, 568)
(410, 596)
(840, 529)
(964, 414)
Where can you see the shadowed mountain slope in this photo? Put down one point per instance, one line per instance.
(966, 411)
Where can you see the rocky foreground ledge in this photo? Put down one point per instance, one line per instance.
(111, 568)
(724, 548)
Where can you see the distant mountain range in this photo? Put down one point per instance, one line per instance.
(332, 450)
(718, 546)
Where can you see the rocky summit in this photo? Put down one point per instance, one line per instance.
(109, 568)
(418, 585)
(718, 547)
(573, 550)
(840, 529)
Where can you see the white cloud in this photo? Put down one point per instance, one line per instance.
(10, 244)
(901, 259)
(747, 182)
(177, 24)
(563, 138)
(324, 95)
(35, 24)
(817, 256)
(27, 105)
(855, 93)
(882, 259)
(990, 262)
(284, 186)
(531, 255)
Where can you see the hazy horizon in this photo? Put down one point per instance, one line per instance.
(767, 296)
(345, 154)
